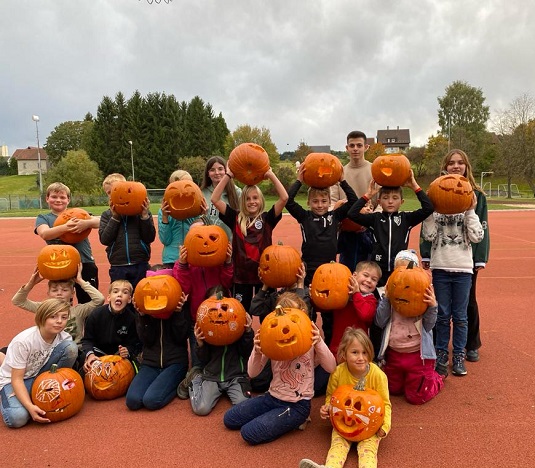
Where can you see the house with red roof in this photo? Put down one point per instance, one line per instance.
(28, 160)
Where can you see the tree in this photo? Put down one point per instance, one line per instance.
(416, 155)
(195, 166)
(302, 151)
(67, 136)
(435, 150)
(77, 172)
(259, 136)
(375, 150)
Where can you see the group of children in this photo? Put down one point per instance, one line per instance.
(171, 354)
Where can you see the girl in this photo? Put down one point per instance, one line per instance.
(286, 405)
(31, 353)
(214, 170)
(355, 353)
(252, 229)
(451, 238)
(457, 162)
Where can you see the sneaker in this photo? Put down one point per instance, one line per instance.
(472, 355)
(441, 366)
(458, 365)
(306, 463)
(183, 387)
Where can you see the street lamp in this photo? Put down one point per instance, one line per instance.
(132, 158)
(35, 118)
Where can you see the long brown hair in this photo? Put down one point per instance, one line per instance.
(468, 171)
(230, 188)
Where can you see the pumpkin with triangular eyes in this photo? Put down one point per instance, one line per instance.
(249, 162)
(184, 198)
(221, 319)
(128, 197)
(206, 245)
(451, 194)
(406, 288)
(58, 262)
(391, 170)
(321, 170)
(329, 289)
(158, 296)
(65, 217)
(109, 377)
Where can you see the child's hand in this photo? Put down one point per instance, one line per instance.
(411, 182)
(353, 285)
(183, 255)
(38, 414)
(35, 278)
(165, 211)
(79, 278)
(324, 411)
(300, 277)
(123, 352)
(181, 302)
(269, 174)
(316, 336)
(204, 207)
(89, 360)
(256, 341)
(199, 335)
(429, 296)
(373, 189)
(228, 258)
(474, 202)
(229, 172)
(145, 209)
(248, 322)
(381, 433)
(301, 172)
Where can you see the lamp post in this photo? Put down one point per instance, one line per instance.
(35, 118)
(132, 158)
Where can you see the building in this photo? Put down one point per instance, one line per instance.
(28, 160)
(395, 141)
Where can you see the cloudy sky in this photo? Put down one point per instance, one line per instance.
(309, 70)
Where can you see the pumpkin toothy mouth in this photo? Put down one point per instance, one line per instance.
(287, 342)
(400, 300)
(59, 410)
(155, 302)
(56, 264)
(324, 294)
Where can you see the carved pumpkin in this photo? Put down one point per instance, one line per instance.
(58, 262)
(406, 288)
(347, 225)
(60, 392)
(249, 162)
(67, 215)
(285, 334)
(184, 198)
(221, 319)
(451, 194)
(158, 296)
(329, 287)
(109, 377)
(278, 266)
(356, 413)
(321, 170)
(206, 245)
(391, 170)
(128, 197)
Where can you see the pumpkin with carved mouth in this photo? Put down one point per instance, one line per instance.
(391, 170)
(128, 197)
(158, 296)
(356, 413)
(406, 288)
(206, 245)
(109, 377)
(451, 194)
(184, 198)
(221, 319)
(60, 392)
(321, 170)
(279, 265)
(285, 334)
(66, 216)
(249, 162)
(329, 287)
(58, 262)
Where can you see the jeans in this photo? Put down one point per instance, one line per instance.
(133, 273)
(153, 387)
(473, 340)
(204, 394)
(13, 412)
(266, 418)
(452, 291)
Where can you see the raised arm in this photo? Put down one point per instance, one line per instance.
(281, 191)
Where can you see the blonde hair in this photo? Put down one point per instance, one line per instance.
(468, 167)
(244, 220)
(48, 308)
(69, 282)
(121, 283)
(110, 179)
(349, 335)
(58, 187)
(369, 265)
(291, 299)
(180, 174)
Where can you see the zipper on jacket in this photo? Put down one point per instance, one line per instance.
(222, 374)
(125, 225)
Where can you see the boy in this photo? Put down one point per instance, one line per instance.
(58, 197)
(127, 238)
(358, 175)
(111, 328)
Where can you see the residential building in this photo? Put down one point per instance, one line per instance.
(28, 160)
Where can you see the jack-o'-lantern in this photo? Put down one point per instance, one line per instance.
(329, 287)
(67, 215)
(109, 377)
(58, 262)
(184, 198)
(249, 162)
(451, 194)
(128, 197)
(206, 245)
(347, 225)
(356, 412)
(158, 296)
(60, 392)
(406, 288)
(278, 266)
(221, 319)
(391, 170)
(321, 170)
(285, 334)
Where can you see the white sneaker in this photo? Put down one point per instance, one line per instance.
(306, 463)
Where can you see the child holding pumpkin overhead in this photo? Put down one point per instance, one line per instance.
(252, 229)
(356, 370)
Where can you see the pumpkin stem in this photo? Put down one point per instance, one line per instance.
(206, 220)
(219, 295)
(280, 243)
(54, 368)
(410, 266)
(279, 310)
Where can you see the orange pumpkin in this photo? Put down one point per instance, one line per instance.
(206, 245)
(391, 170)
(109, 377)
(285, 334)
(329, 286)
(184, 198)
(406, 288)
(221, 319)
(278, 266)
(321, 170)
(451, 194)
(67, 215)
(158, 296)
(249, 162)
(60, 392)
(356, 413)
(347, 225)
(128, 197)
(58, 262)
